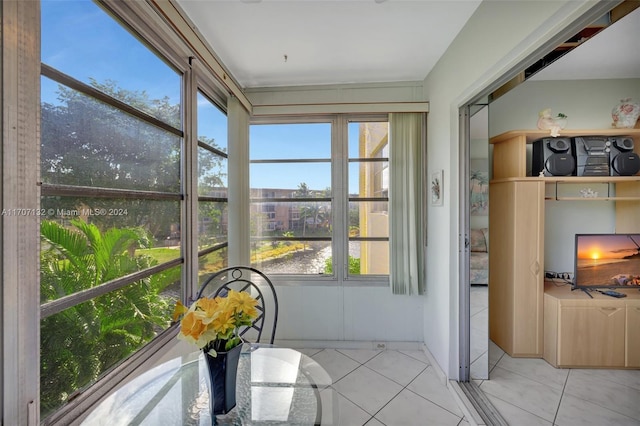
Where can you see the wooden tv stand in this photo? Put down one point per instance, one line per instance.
(517, 320)
(601, 332)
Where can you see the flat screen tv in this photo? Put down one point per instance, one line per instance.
(607, 261)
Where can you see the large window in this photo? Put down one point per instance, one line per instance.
(319, 197)
(212, 186)
(113, 204)
(291, 197)
(368, 216)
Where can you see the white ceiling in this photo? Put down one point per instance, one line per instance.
(612, 53)
(328, 41)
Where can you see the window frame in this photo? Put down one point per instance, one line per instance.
(46, 189)
(205, 88)
(143, 20)
(360, 118)
(339, 198)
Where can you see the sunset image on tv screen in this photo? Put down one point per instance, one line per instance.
(607, 260)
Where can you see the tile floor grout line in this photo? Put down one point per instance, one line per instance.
(597, 403)
(561, 397)
(518, 407)
(361, 363)
(526, 377)
(434, 403)
(404, 387)
(356, 404)
(409, 390)
(496, 364)
(531, 378)
(480, 356)
(413, 357)
(389, 402)
(427, 399)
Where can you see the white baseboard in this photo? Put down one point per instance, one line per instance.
(349, 344)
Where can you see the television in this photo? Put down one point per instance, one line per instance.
(607, 261)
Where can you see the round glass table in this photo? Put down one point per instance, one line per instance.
(275, 386)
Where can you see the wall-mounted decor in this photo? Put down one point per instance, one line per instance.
(436, 188)
(479, 187)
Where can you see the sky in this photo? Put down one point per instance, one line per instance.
(83, 41)
(607, 246)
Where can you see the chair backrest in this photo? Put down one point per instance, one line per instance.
(251, 280)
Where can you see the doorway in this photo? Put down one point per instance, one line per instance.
(482, 367)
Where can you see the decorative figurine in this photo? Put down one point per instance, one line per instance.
(625, 114)
(547, 122)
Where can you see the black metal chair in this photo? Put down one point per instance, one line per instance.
(251, 280)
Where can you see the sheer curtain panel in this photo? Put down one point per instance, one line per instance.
(406, 205)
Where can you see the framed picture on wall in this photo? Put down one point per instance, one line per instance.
(479, 187)
(436, 188)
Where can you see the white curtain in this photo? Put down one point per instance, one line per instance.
(406, 209)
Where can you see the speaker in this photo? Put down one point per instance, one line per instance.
(553, 157)
(624, 162)
(592, 155)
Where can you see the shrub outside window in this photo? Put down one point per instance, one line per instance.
(112, 197)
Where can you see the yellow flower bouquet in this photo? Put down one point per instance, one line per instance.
(213, 324)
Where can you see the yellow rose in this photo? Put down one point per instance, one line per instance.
(207, 309)
(192, 327)
(179, 310)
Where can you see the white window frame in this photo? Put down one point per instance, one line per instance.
(339, 205)
(153, 29)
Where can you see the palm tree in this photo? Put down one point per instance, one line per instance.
(303, 191)
(83, 341)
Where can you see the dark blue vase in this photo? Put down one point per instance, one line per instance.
(222, 380)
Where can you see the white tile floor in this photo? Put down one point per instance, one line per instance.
(529, 391)
(387, 387)
(393, 387)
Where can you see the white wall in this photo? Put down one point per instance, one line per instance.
(345, 93)
(338, 312)
(344, 313)
(588, 104)
(497, 37)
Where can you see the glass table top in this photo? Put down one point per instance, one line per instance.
(275, 386)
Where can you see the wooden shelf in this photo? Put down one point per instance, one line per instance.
(592, 198)
(516, 261)
(510, 150)
(533, 135)
(571, 179)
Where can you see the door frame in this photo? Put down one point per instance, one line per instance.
(592, 14)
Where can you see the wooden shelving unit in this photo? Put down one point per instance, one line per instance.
(516, 227)
(510, 150)
(591, 332)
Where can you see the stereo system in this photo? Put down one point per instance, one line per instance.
(585, 156)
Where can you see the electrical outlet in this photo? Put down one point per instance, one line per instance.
(379, 345)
